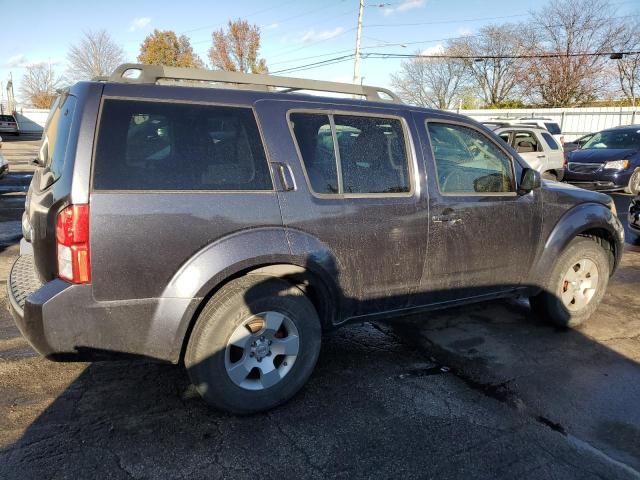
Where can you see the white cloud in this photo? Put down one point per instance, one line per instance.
(139, 23)
(272, 26)
(16, 61)
(435, 50)
(313, 36)
(403, 7)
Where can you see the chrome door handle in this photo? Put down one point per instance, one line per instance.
(542, 156)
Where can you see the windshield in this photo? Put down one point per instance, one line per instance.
(618, 139)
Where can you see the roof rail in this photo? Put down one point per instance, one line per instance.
(138, 73)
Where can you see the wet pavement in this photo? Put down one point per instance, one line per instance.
(477, 392)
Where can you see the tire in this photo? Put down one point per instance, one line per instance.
(229, 336)
(634, 183)
(554, 304)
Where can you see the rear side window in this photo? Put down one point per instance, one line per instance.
(553, 145)
(56, 134)
(526, 142)
(171, 146)
(352, 154)
(554, 128)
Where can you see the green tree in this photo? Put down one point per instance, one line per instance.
(164, 47)
(237, 49)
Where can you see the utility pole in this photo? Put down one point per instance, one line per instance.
(356, 64)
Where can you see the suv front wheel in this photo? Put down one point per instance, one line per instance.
(576, 285)
(254, 345)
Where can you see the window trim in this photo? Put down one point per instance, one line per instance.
(181, 102)
(408, 141)
(498, 146)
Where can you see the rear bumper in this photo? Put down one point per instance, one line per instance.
(64, 322)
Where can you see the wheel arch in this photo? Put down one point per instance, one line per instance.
(590, 220)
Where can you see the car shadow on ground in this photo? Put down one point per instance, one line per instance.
(486, 391)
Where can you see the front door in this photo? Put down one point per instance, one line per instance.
(483, 234)
(357, 192)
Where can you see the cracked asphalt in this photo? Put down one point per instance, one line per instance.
(477, 392)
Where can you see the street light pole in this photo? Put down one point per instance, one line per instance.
(356, 64)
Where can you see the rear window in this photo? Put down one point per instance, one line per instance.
(7, 118)
(550, 140)
(56, 134)
(146, 145)
(554, 128)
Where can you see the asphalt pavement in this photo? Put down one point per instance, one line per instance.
(479, 392)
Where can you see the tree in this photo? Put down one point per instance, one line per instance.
(165, 48)
(569, 29)
(39, 85)
(237, 49)
(96, 55)
(431, 82)
(628, 67)
(496, 78)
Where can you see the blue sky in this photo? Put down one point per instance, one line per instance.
(292, 30)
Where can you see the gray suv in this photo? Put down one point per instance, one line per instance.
(227, 228)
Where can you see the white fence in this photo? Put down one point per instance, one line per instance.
(574, 122)
(32, 120)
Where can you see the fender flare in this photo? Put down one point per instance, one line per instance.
(580, 220)
(264, 250)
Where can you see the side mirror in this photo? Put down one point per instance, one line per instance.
(530, 180)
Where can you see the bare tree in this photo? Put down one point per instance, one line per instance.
(430, 82)
(39, 85)
(237, 49)
(628, 67)
(496, 77)
(564, 75)
(96, 55)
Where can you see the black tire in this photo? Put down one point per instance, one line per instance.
(223, 314)
(634, 183)
(548, 304)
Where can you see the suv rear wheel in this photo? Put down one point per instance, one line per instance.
(254, 345)
(576, 285)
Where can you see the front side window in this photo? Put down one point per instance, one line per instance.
(370, 152)
(467, 162)
(171, 146)
(526, 142)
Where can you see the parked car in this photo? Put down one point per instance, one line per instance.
(576, 144)
(537, 147)
(4, 165)
(9, 124)
(609, 161)
(634, 215)
(546, 123)
(242, 223)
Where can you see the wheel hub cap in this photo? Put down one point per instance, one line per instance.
(262, 350)
(579, 284)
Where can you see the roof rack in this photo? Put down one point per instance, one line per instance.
(138, 73)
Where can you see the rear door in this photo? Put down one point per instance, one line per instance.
(483, 234)
(358, 190)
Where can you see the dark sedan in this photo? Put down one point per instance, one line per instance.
(634, 215)
(609, 161)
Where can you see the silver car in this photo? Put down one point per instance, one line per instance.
(4, 165)
(9, 124)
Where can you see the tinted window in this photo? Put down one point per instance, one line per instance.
(7, 118)
(554, 128)
(550, 140)
(170, 146)
(468, 162)
(373, 156)
(315, 142)
(526, 142)
(618, 139)
(56, 134)
(505, 137)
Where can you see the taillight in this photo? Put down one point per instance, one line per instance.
(72, 240)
